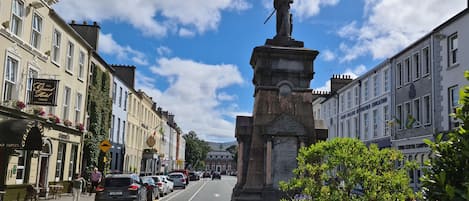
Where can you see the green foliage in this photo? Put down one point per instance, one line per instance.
(447, 175)
(346, 169)
(196, 151)
(100, 111)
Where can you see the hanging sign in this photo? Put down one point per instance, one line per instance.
(43, 92)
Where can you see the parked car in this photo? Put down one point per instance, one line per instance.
(216, 175)
(206, 175)
(186, 174)
(163, 188)
(193, 176)
(169, 182)
(118, 187)
(152, 188)
(179, 180)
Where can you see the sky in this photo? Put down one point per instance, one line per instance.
(192, 56)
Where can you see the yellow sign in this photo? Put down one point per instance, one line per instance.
(105, 145)
(105, 159)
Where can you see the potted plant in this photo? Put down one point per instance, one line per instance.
(39, 111)
(79, 126)
(67, 122)
(19, 105)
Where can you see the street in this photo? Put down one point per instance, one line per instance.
(202, 190)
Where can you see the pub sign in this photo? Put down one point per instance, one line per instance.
(43, 92)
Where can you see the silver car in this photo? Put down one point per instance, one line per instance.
(179, 180)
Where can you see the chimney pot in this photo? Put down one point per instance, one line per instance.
(95, 23)
(73, 21)
(85, 23)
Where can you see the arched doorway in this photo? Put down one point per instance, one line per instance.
(42, 182)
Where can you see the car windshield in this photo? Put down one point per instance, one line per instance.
(175, 175)
(156, 179)
(148, 180)
(117, 182)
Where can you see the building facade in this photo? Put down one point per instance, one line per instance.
(220, 161)
(120, 95)
(36, 43)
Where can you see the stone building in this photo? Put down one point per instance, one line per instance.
(36, 43)
(220, 161)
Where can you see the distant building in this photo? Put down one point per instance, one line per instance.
(220, 161)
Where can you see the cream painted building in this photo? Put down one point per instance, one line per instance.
(36, 43)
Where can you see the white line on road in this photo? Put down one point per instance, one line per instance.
(198, 190)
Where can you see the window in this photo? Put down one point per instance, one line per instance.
(73, 162)
(59, 168)
(113, 119)
(407, 71)
(114, 88)
(11, 75)
(36, 31)
(120, 96)
(66, 103)
(357, 96)
(366, 122)
(386, 80)
(357, 127)
(125, 100)
(399, 115)
(349, 99)
(375, 123)
(426, 60)
(70, 49)
(341, 134)
(17, 13)
(453, 49)
(342, 102)
(427, 110)
(78, 107)
(349, 134)
(56, 38)
(375, 86)
(118, 127)
(123, 133)
(416, 112)
(365, 90)
(453, 100)
(416, 65)
(32, 73)
(81, 64)
(399, 74)
(20, 169)
(408, 115)
(386, 119)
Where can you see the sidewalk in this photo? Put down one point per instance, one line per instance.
(69, 197)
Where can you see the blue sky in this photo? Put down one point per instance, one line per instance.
(192, 56)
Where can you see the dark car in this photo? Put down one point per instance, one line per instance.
(216, 175)
(193, 176)
(153, 191)
(206, 175)
(117, 187)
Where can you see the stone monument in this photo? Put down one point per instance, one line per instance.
(282, 120)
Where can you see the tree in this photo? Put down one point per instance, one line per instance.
(447, 175)
(196, 150)
(233, 149)
(346, 169)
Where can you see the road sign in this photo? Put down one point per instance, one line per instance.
(105, 145)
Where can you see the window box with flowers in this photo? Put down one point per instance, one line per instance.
(53, 118)
(67, 122)
(80, 126)
(19, 105)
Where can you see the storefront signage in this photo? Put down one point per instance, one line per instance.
(43, 92)
(365, 107)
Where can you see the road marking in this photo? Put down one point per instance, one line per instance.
(198, 190)
(216, 195)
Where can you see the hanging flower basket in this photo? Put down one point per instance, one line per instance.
(39, 111)
(53, 118)
(79, 126)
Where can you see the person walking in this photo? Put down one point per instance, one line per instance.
(95, 179)
(77, 186)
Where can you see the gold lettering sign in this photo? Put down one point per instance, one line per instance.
(43, 92)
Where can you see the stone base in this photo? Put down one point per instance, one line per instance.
(262, 194)
(284, 42)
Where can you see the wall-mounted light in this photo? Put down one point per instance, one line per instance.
(6, 24)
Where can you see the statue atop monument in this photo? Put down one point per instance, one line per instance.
(284, 23)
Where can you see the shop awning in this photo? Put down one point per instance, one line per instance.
(20, 134)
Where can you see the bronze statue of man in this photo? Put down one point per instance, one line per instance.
(284, 25)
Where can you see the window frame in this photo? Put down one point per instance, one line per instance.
(7, 79)
(366, 125)
(453, 103)
(17, 28)
(70, 57)
(407, 111)
(386, 84)
(427, 111)
(60, 163)
(56, 46)
(400, 115)
(453, 51)
(36, 32)
(426, 61)
(407, 71)
(78, 102)
(417, 112)
(375, 122)
(66, 103)
(399, 77)
(81, 64)
(29, 82)
(416, 65)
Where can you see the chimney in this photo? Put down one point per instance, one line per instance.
(339, 81)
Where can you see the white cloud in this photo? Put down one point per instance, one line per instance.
(353, 73)
(195, 95)
(325, 87)
(155, 17)
(392, 25)
(108, 45)
(163, 51)
(328, 55)
(183, 32)
(304, 8)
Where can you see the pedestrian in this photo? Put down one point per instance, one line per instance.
(78, 184)
(95, 179)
